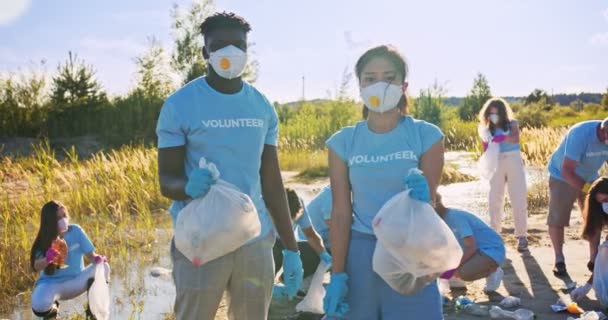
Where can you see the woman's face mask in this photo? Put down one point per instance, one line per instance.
(494, 118)
(605, 207)
(62, 224)
(381, 96)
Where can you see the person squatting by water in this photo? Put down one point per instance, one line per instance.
(57, 254)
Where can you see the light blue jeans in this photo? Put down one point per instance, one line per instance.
(371, 298)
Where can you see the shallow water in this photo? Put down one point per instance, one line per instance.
(138, 295)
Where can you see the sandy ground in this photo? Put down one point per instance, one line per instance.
(527, 275)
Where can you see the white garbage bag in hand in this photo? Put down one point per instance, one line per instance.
(99, 294)
(414, 244)
(313, 302)
(216, 224)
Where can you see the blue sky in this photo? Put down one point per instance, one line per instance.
(556, 45)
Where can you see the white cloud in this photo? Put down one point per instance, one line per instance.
(11, 10)
(125, 45)
(605, 14)
(600, 39)
(143, 15)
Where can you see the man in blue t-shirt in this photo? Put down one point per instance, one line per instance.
(228, 122)
(572, 169)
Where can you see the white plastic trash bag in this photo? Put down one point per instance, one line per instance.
(313, 302)
(216, 224)
(99, 294)
(600, 274)
(414, 244)
(488, 162)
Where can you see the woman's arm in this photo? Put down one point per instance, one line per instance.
(314, 240)
(341, 216)
(513, 136)
(431, 164)
(40, 264)
(470, 247)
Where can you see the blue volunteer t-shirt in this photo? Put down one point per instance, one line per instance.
(319, 210)
(582, 145)
(302, 222)
(78, 245)
(378, 162)
(229, 130)
(507, 146)
(465, 224)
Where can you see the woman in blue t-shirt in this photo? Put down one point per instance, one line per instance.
(57, 254)
(595, 214)
(369, 164)
(498, 126)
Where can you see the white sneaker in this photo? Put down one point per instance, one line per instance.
(457, 283)
(493, 281)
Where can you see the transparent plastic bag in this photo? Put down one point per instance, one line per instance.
(216, 224)
(600, 274)
(414, 244)
(488, 162)
(313, 302)
(99, 294)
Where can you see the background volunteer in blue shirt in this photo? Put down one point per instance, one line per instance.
(312, 248)
(572, 169)
(370, 161)
(498, 126)
(483, 248)
(231, 124)
(596, 219)
(67, 281)
(319, 212)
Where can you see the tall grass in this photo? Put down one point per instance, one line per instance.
(115, 197)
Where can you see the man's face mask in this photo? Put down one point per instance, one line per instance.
(228, 62)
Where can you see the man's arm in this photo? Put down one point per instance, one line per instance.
(171, 172)
(314, 240)
(274, 196)
(569, 174)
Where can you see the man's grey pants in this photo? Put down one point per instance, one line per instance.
(247, 274)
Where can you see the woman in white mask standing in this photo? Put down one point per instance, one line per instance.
(57, 255)
(498, 126)
(369, 164)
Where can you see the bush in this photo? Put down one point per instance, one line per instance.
(532, 117)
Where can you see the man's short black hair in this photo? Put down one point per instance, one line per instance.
(224, 19)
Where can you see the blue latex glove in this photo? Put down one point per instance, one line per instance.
(293, 273)
(199, 182)
(333, 302)
(325, 257)
(419, 187)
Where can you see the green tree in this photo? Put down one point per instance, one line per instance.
(75, 83)
(153, 77)
(536, 96)
(473, 102)
(428, 104)
(187, 58)
(604, 103)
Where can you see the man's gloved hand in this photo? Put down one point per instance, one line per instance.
(293, 272)
(419, 187)
(199, 182)
(333, 302)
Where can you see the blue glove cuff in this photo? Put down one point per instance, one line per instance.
(340, 276)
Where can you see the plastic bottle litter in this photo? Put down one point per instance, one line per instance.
(475, 309)
(510, 302)
(519, 314)
(590, 315)
(462, 301)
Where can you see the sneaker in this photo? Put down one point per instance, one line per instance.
(457, 283)
(493, 280)
(522, 244)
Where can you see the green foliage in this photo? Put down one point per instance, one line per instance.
(429, 104)
(532, 116)
(604, 103)
(153, 77)
(75, 84)
(538, 96)
(480, 93)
